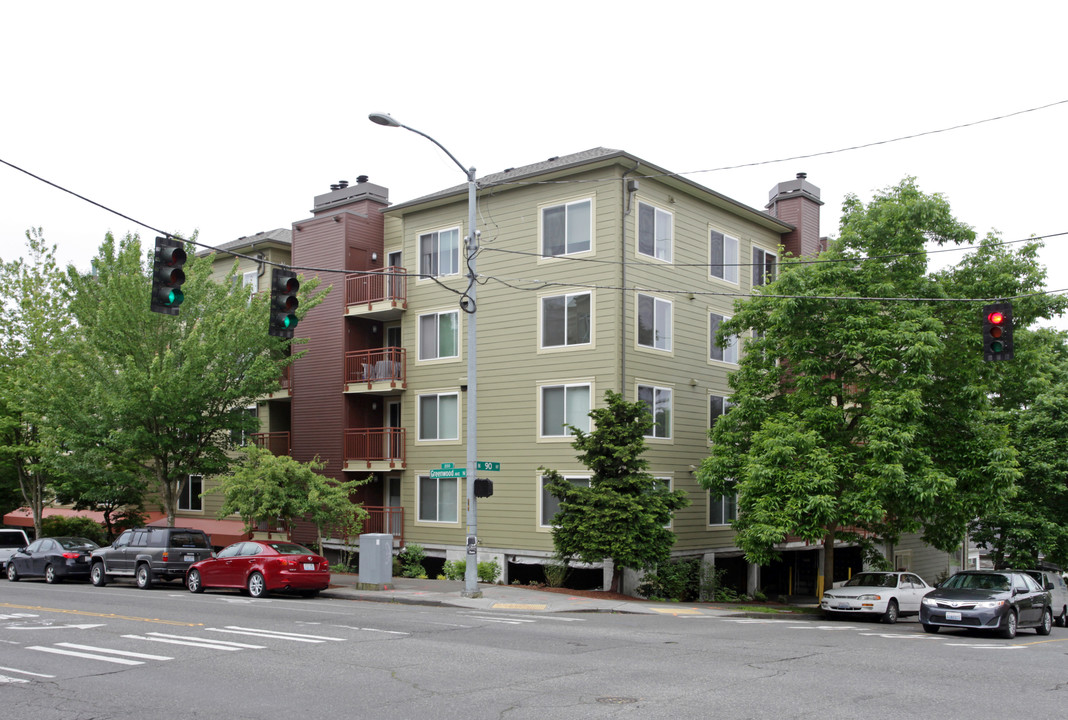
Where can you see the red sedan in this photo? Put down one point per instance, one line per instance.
(260, 567)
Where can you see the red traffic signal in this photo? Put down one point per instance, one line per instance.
(997, 332)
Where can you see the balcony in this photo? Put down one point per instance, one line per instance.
(278, 443)
(376, 371)
(380, 295)
(386, 520)
(374, 449)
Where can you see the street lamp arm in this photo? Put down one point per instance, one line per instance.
(389, 121)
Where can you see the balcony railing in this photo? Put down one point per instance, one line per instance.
(278, 443)
(287, 374)
(386, 520)
(387, 285)
(374, 366)
(375, 445)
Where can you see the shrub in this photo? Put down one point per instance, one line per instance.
(488, 572)
(555, 572)
(411, 561)
(78, 526)
(673, 581)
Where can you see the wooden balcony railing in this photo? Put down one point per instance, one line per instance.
(287, 374)
(372, 445)
(386, 520)
(278, 443)
(381, 365)
(387, 285)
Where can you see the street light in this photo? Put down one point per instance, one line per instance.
(467, 303)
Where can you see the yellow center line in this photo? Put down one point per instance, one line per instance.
(1039, 642)
(111, 616)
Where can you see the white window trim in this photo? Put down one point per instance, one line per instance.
(541, 397)
(419, 337)
(419, 252)
(542, 257)
(418, 502)
(638, 237)
(754, 248)
(540, 480)
(670, 439)
(186, 494)
(459, 418)
(670, 350)
(670, 481)
(710, 343)
(728, 266)
(577, 346)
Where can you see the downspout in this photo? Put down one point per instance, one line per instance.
(629, 189)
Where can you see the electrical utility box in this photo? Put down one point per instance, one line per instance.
(376, 560)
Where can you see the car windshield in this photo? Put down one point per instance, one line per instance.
(77, 543)
(979, 581)
(189, 540)
(287, 548)
(888, 580)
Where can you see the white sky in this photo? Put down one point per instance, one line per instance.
(228, 117)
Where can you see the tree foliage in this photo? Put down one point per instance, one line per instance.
(855, 418)
(624, 512)
(266, 487)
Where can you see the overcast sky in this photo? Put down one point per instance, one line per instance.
(228, 117)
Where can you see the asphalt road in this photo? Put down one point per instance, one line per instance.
(73, 652)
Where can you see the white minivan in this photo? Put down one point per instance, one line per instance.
(1053, 581)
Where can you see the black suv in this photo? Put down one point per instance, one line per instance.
(148, 554)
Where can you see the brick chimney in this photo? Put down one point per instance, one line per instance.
(798, 202)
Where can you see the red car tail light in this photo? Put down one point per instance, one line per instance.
(71, 556)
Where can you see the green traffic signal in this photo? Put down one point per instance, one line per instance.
(284, 303)
(167, 276)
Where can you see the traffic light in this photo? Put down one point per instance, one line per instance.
(167, 276)
(997, 331)
(284, 286)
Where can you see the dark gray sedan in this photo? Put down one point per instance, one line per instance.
(53, 558)
(1001, 600)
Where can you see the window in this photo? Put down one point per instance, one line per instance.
(251, 280)
(439, 417)
(550, 505)
(190, 498)
(654, 322)
(722, 509)
(658, 401)
(439, 335)
(663, 484)
(763, 267)
(241, 438)
(654, 232)
(439, 252)
(717, 405)
(438, 499)
(565, 320)
(727, 354)
(724, 256)
(566, 229)
(563, 405)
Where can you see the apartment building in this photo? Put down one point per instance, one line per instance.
(598, 271)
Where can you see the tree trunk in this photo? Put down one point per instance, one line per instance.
(828, 562)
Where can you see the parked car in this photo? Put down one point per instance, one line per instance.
(1053, 581)
(883, 595)
(262, 566)
(148, 554)
(53, 558)
(11, 539)
(1002, 600)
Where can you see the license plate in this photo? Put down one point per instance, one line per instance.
(950, 615)
(309, 566)
(844, 606)
(190, 558)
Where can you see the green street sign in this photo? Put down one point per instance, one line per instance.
(446, 466)
(449, 473)
(492, 466)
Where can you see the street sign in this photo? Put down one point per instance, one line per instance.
(492, 466)
(449, 473)
(446, 466)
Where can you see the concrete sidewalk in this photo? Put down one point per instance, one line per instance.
(515, 598)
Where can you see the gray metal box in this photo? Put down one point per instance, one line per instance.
(376, 559)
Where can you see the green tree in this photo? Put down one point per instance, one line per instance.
(266, 487)
(854, 417)
(34, 326)
(624, 512)
(165, 394)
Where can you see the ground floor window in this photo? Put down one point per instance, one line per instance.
(438, 499)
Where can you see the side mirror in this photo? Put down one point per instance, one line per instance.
(1049, 585)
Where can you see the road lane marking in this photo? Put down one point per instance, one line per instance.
(25, 672)
(111, 616)
(4, 679)
(71, 653)
(123, 653)
(519, 606)
(676, 611)
(365, 629)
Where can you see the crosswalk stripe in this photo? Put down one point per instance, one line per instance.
(6, 679)
(123, 653)
(297, 637)
(25, 672)
(59, 651)
(209, 640)
(208, 644)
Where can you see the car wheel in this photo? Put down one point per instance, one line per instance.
(1062, 619)
(97, 576)
(1046, 627)
(890, 616)
(1008, 626)
(257, 587)
(12, 573)
(144, 576)
(930, 629)
(193, 582)
(50, 574)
